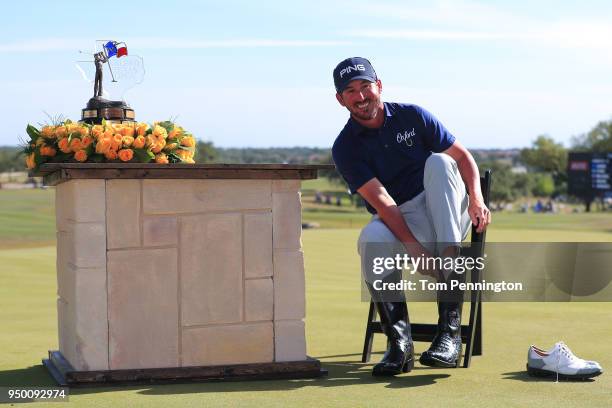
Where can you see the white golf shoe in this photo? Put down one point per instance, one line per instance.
(560, 362)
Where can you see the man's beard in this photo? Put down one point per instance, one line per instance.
(369, 113)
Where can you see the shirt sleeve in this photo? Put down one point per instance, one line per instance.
(437, 137)
(352, 167)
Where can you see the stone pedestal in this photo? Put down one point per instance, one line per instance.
(179, 266)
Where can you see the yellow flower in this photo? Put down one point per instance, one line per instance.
(126, 154)
(150, 141)
(158, 146)
(188, 160)
(97, 131)
(127, 140)
(177, 131)
(139, 142)
(161, 158)
(31, 161)
(160, 132)
(188, 141)
(80, 156)
(48, 132)
(170, 146)
(47, 151)
(64, 145)
(185, 155)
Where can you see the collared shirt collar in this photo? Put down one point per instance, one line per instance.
(358, 128)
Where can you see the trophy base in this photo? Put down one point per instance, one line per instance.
(98, 108)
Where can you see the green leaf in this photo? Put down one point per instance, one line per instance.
(62, 157)
(33, 132)
(96, 158)
(143, 155)
(166, 125)
(173, 158)
(191, 149)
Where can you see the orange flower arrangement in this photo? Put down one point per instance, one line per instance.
(67, 141)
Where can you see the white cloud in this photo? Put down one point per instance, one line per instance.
(71, 44)
(469, 21)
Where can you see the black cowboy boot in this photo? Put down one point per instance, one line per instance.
(446, 345)
(399, 356)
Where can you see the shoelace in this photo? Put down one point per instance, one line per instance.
(562, 348)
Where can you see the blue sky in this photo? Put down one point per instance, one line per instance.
(244, 73)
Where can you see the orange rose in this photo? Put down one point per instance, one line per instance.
(127, 140)
(141, 129)
(116, 142)
(161, 158)
(128, 130)
(31, 161)
(139, 142)
(103, 145)
(64, 145)
(110, 154)
(188, 141)
(109, 132)
(60, 131)
(150, 141)
(97, 131)
(80, 156)
(48, 132)
(86, 141)
(83, 130)
(47, 151)
(75, 144)
(126, 154)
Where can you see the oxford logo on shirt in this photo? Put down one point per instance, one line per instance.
(406, 137)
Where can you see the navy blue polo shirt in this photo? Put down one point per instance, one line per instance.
(395, 153)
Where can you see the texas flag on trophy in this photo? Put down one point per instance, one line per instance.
(113, 48)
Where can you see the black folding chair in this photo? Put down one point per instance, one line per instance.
(471, 334)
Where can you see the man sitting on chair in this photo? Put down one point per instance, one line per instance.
(412, 173)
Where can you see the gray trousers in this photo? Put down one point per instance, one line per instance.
(437, 217)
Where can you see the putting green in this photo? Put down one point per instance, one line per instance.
(334, 326)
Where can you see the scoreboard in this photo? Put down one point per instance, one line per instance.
(589, 174)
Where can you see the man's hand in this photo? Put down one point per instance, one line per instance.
(479, 214)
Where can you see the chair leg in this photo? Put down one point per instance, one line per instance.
(369, 335)
(477, 351)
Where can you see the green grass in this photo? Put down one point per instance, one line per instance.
(334, 325)
(27, 217)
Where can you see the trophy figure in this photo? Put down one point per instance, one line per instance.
(129, 72)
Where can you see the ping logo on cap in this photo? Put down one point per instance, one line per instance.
(348, 69)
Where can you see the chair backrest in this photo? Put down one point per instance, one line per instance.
(485, 188)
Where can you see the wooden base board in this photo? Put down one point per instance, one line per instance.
(65, 375)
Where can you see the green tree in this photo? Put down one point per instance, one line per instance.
(548, 156)
(598, 139)
(205, 152)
